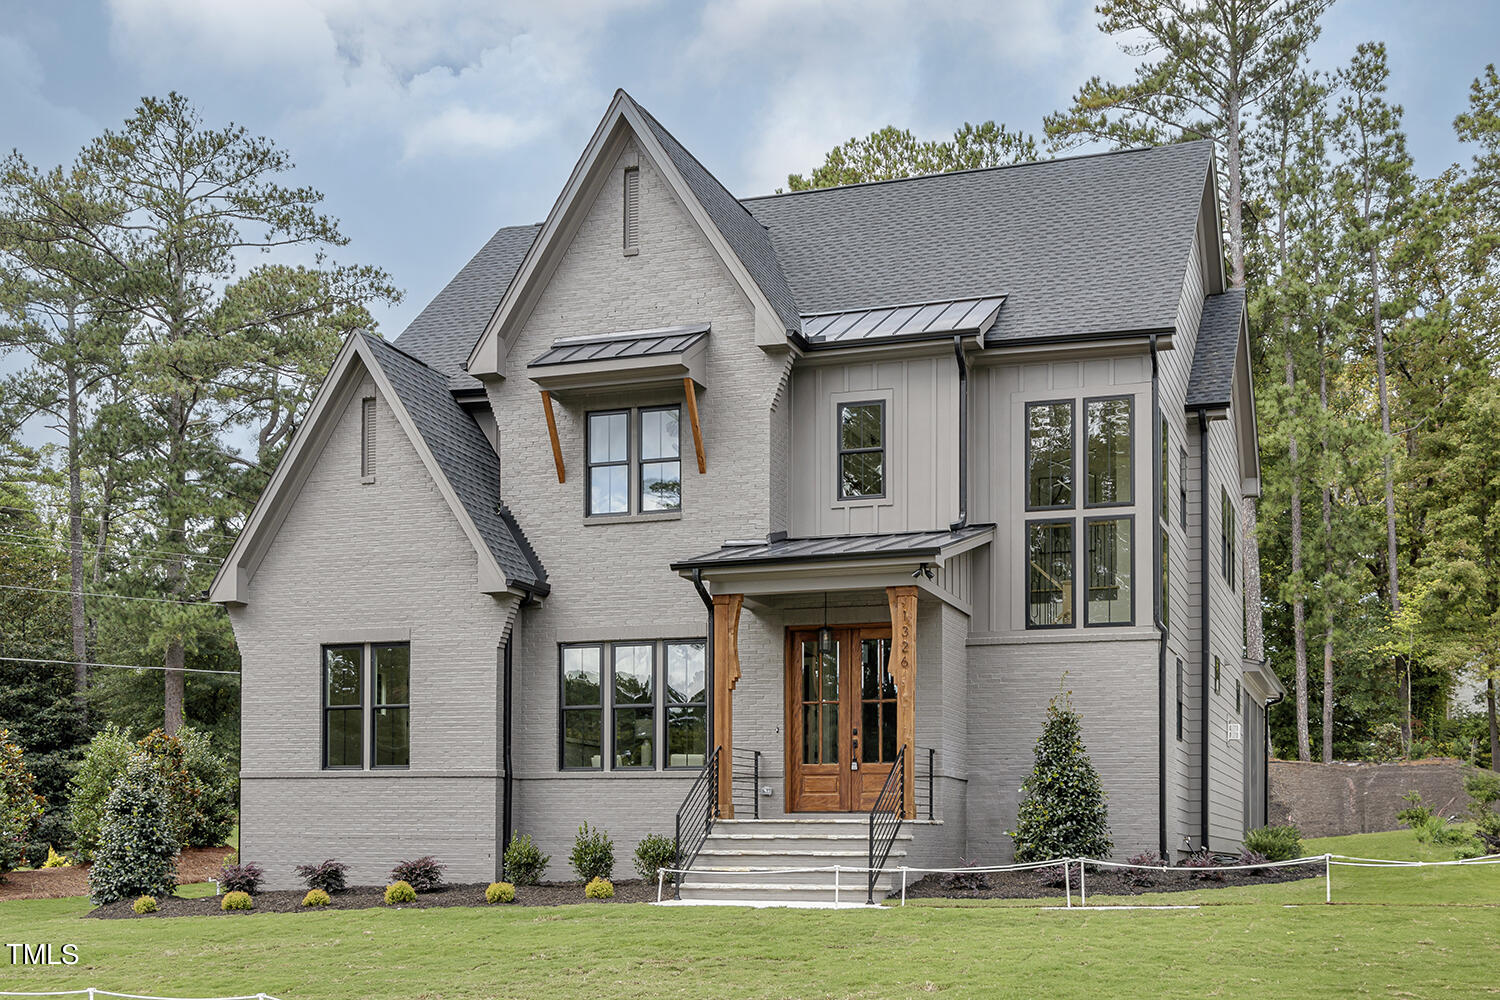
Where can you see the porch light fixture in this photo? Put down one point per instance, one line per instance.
(825, 634)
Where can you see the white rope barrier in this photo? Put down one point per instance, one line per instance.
(91, 993)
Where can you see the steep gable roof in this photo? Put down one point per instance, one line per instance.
(1211, 383)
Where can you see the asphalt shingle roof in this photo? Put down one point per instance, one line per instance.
(1212, 378)
(464, 455)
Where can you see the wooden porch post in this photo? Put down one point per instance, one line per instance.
(903, 601)
(726, 675)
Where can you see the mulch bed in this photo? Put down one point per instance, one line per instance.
(196, 864)
(367, 897)
(1041, 883)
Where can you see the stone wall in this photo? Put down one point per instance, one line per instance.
(1327, 800)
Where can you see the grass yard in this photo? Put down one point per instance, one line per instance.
(1408, 947)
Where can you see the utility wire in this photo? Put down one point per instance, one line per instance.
(122, 666)
(63, 514)
(115, 597)
(89, 550)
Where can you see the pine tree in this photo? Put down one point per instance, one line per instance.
(1063, 812)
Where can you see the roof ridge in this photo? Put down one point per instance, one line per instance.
(693, 156)
(976, 170)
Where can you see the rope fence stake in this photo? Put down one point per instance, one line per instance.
(1328, 877)
(1083, 892)
(1067, 886)
(835, 886)
(903, 885)
(661, 877)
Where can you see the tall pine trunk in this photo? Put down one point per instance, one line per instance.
(78, 621)
(1393, 572)
(176, 655)
(1326, 474)
(1299, 603)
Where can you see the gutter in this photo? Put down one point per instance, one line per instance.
(507, 786)
(1265, 762)
(963, 435)
(1205, 592)
(1161, 647)
(708, 648)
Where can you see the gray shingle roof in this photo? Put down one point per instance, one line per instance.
(1085, 245)
(1212, 379)
(628, 344)
(793, 550)
(465, 457)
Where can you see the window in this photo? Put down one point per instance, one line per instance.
(1166, 580)
(634, 673)
(1049, 574)
(1237, 695)
(661, 459)
(1182, 486)
(609, 462)
(346, 717)
(1049, 455)
(582, 708)
(367, 439)
(1217, 669)
(1229, 527)
(687, 704)
(1166, 474)
(861, 450)
(1108, 544)
(1107, 456)
(632, 213)
(392, 706)
(1180, 705)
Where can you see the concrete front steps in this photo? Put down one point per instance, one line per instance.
(726, 868)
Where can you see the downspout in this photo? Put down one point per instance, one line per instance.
(963, 434)
(1205, 586)
(708, 647)
(1161, 653)
(507, 789)
(1265, 762)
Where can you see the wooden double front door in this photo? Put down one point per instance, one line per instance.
(842, 730)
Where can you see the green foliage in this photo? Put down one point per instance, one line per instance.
(316, 897)
(20, 806)
(524, 861)
(654, 852)
(1484, 792)
(1063, 812)
(1416, 815)
(144, 904)
(328, 876)
(423, 874)
(55, 860)
(1277, 843)
(137, 850)
(500, 892)
(599, 888)
(892, 153)
(105, 760)
(237, 901)
(593, 853)
(399, 892)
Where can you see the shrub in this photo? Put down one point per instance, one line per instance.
(104, 762)
(593, 854)
(237, 901)
(144, 904)
(423, 874)
(316, 897)
(1415, 815)
(1484, 791)
(20, 805)
(240, 878)
(1063, 811)
(1249, 857)
(399, 892)
(1277, 843)
(328, 876)
(653, 853)
(1142, 877)
(1205, 867)
(524, 861)
(500, 892)
(55, 860)
(599, 888)
(137, 851)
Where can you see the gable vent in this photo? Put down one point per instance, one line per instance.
(632, 210)
(367, 439)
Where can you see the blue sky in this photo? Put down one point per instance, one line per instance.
(428, 125)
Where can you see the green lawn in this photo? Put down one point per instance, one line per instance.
(1263, 948)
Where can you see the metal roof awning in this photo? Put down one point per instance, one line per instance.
(624, 358)
(905, 546)
(894, 324)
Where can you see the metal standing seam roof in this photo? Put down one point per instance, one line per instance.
(793, 550)
(626, 344)
(917, 321)
(1211, 383)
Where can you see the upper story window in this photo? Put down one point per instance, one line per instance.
(1108, 452)
(1166, 467)
(634, 455)
(373, 731)
(1049, 455)
(1182, 486)
(862, 465)
(1227, 530)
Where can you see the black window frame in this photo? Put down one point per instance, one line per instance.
(637, 465)
(615, 704)
(1073, 460)
(1087, 560)
(376, 706)
(564, 707)
(1083, 435)
(589, 465)
(660, 704)
(1238, 704)
(1072, 525)
(1228, 528)
(1182, 485)
(1166, 580)
(667, 705)
(841, 452)
(1218, 670)
(367, 706)
(323, 651)
(1165, 503)
(1181, 700)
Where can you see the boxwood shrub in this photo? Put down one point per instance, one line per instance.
(145, 904)
(599, 888)
(500, 892)
(653, 853)
(400, 892)
(524, 861)
(316, 897)
(593, 854)
(237, 901)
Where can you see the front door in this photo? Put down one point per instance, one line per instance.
(841, 718)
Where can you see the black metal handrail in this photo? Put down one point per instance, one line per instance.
(925, 802)
(743, 758)
(885, 817)
(696, 815)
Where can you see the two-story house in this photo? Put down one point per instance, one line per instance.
(768, 512)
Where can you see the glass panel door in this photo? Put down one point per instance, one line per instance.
(820, 701)
(877, 697)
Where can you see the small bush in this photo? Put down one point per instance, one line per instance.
(1249, 857)
(524, 861)
(1204, 866)
(1415, 815)
(599, 888)
(653, 853)
(328, 876)
(1141, 877)
(240, 878)
(500, 892)
(423, 874)
(1277, 843)
(593, 854)
(137, 852)
(1471, 849)
(145, 904)
(1484, 791)
(399, 892)
(316, 897)
(55, 860)
(237, 901)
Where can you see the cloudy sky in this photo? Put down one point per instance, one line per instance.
(428, 125)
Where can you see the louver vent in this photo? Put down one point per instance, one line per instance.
(1232, 731)
(367, 439)
(632, 210)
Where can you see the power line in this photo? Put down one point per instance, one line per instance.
(89, 549)
(115, 597)
(122, 666)
(63, 514)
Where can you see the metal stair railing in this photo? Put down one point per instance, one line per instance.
(885, 818)
(696, 815)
